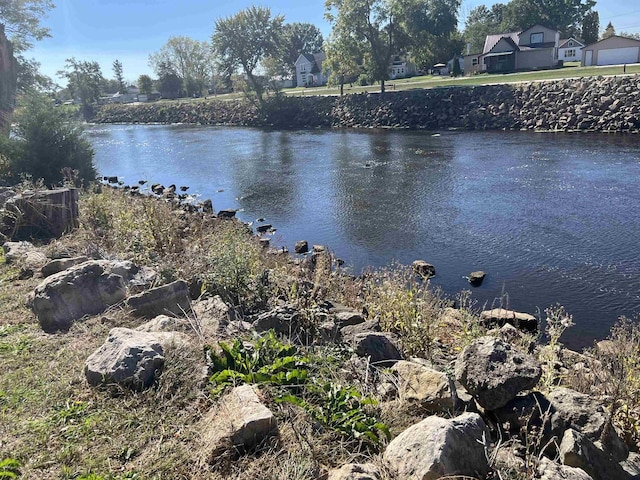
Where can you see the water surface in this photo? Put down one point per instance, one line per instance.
(550, 217)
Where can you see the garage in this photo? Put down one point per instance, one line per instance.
(614, 50)
(616, 56)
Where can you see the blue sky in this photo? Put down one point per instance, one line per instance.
(129, 30)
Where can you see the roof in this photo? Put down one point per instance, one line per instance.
(314, 59)
(604, 40)
(492, 40)
(564, 41)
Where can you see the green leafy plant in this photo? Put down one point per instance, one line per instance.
(267, 360)
(342, 409)
(9, 468)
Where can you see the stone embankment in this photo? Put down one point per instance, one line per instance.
(606, 104)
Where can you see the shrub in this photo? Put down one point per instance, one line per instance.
(47, 143)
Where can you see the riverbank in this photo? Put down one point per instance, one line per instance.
(590, 104)
(385, 336)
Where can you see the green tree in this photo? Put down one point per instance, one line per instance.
(188, 59)
(243, 41)
(83, 81)
(343, 62)
(298, 38)
(480, 23)
(374, 26)
(47, 143)
(119, 76)
(431, 26)
(590, 27)
(610, 31)
(566, 16)
(21, 19)
(145, 84)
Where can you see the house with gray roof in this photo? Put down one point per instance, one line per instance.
(309, 70)
(535, 48)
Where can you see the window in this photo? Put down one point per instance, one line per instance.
(474, 61)
(537, 38)
(571, 44)
(571, 52)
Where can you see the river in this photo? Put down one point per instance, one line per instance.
(550, 217)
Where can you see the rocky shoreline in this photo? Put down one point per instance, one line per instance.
(483, 399)
(590, 104)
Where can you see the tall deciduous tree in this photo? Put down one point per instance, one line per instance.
(83, 81)
(145, 84)
(21, 19)
(590, 27)
(566, 16)
(119, 76)
(343, 60)
(243, 41)
(189, 59)
(299, 38)
(374, 26)
(480, 23)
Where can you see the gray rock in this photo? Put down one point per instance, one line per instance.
(348, 318)
(355, 471)
(576, 450)
(584, 414)
(172, 299)
(283, 320)
(494, 372)
(424, 269)
(438, 447)
(349, 332)
(16, 252)
(301, 247)
(212, 314)
(500, 316)
(550, 470)
(632, 465)
(240, 421)
(429, 388)
(377, 346)
(85, 289)
(58, 265)
(476, 278)
(129, 358)
(163, 323)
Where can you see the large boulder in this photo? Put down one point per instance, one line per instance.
(240, 421)
(494, 372)
(429, 388)
(438, 447)
(576, 450)
(84, 289)
(129, 358)
(584, 414)
(355, 471)
(171, 299)
(500, 316)
(379, 347)
(424, 269)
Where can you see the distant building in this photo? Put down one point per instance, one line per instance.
(309, 70)
(532, 49)
(401, 67)
(614, 50)
(570, 50)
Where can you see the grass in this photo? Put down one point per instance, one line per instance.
(436, 81)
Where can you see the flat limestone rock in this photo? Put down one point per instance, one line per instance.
(240, 421)
(172, 298)
(429, 388)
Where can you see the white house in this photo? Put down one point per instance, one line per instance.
(570, 50)
(309, 70)
(401, 67)
(611, 51)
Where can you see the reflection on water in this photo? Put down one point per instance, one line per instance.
(551, 218)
